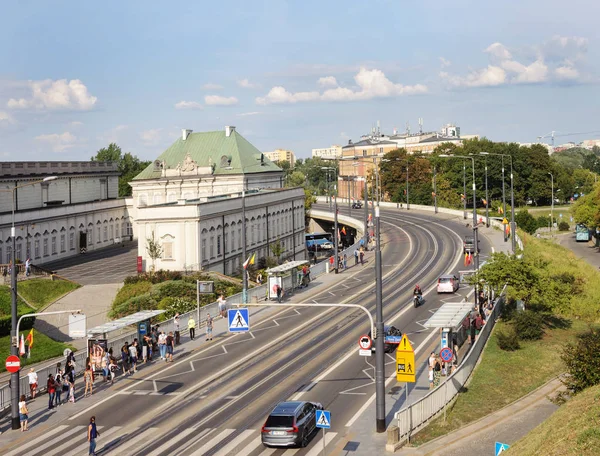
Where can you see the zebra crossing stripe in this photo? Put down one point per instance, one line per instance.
(250, 447)
(318, 446)
(231, 447)
(144, 436)
(58, 431)
(169, 443)
(212, 442)
(68, 440)
(78, 451)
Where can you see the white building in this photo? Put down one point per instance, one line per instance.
(334, 151)
(77, 210)
(190, 200)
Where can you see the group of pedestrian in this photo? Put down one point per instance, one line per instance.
(359, 256)
(435, 370)
(474, 322)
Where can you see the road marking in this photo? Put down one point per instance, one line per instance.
(142, 437)
(58, 431)
(268, 452)
(172, 441)
(212, 442)
(232, 446)
(222, 346)
(77, 451)
(250, 447)
(60, 437)
(318, 446)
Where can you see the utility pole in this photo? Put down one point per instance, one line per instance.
(380, 334)
(244, 275)
(407, 203)
(487, 213)
(335, 235)
(434, 190)
(464, 193)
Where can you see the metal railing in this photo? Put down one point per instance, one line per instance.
(418, 414)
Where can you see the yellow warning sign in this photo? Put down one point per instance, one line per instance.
(505, 222)
(405, 361)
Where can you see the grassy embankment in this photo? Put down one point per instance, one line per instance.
(503, 377)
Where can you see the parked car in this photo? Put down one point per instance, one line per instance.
(291, 423)
(448, 284)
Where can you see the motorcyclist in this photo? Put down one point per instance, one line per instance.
(417, 291)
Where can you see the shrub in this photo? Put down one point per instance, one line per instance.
(563, 226)
(529, 325)
(144, 302)
(131, 290)
(526, 221)
(507, 339)
(543, 221)
(173, 305)
(583, 361)
(157, 277)
(175, 289)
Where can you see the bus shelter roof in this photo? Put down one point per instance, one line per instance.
(124, 322)
(286, 267)
(450, 315)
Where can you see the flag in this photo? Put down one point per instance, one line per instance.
(433, 194)
(500, 210)
(484, 201)
(22, 346)
(507, 231)
(462, 197)
(253, 258)
(344, 230)
(30, 339)
(250, 260)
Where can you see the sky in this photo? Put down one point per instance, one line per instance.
(297, 75)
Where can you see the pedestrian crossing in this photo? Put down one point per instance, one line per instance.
(65, 440)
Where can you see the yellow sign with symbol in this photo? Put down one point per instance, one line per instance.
(405, 361)
(505, 221)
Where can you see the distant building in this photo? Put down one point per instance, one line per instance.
(328, 152)
(282, 155)
(590, 143)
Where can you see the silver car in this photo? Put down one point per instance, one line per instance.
(291, 423)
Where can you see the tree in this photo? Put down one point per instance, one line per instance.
(154, 250)
(129, 165)
(277, 249)
(526, 221)
(583, 361)
(296, 179)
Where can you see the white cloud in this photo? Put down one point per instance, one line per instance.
(55, 95)
(6, 119)
(58, 142)
(188, 105)
(486, 77)
(536, 72)
(75, 124)
(559, 48)
(113, 135)
(566, 73)
(151, 137)
(445, 62)
(217, 100)
(210, 86)
(371, 84)
(327, 81)
(246, 84)
(498, 51)
(246, 114)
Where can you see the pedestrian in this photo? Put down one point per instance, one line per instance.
(331, 260)
(478, 324)
(355, 257)
(23, 413)
(88, 380)
(279, 292)
(472, 330)
(125, 359)
(33, 382)
(170, 347)
(192, 327)
(133, 356)
(345, 261)
(51, 388)
(71, 391)
(162, 345)
(58, 381)
(362, 257)
(437, 372)
(92, 435)
(148, 345)
(209, 327)
(259, 278)
(112, 369)
(177, 329)
(27, 266)
(222, 306)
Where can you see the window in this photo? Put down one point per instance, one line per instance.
(105, 233)
(239, 238)
(36, 248)
(71, 241)
(99, 235)
(53, 245)
(45, 246)
(62, 243)
(212, 247)
(8, 253)
(118, 230)
(111, 233)
(90, 237)
(18, 255)
(167, 250)
(219, 244)
(203, 249)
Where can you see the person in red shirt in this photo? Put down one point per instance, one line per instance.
(51, 386)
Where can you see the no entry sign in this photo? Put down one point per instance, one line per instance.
(13, 364)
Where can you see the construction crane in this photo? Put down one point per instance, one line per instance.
(553, 135)
(539, 138)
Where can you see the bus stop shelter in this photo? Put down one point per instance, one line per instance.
(449, 318)
(275, 276)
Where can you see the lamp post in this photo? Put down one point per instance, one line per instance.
(552, 206)
(14, 346)
(244, 276)
(329, 193)
(464, 193)
(487, 201)
(407, 200)
(434, 190)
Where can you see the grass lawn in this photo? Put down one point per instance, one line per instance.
(41, 292)
(573, 430)
(503, 377)
(43, 348)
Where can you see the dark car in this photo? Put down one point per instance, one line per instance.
(291, 423)
(356, 205)
(469, 245)
(392, 331)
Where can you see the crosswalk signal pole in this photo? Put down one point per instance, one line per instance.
(323, 441)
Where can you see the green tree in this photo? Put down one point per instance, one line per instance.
(526, 221)
(277, 250)
(129, 165)
(583, 361)
(154, 250)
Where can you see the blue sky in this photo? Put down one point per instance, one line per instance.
(75, 76)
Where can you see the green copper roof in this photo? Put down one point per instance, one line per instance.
(231, 154)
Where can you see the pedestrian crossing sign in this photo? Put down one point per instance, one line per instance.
(323, 419)
(239, 320)
(500, 448)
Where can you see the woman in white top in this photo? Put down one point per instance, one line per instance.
(23, 413)
(222, 306)
(33, 382)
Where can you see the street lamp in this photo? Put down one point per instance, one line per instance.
(14, 346)
(512, 198)
(328, 169)
(434, 190)
(552, 206)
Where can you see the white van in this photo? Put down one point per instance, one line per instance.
(447, 284)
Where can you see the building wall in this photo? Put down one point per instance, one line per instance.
(282, 155)
(334, 151)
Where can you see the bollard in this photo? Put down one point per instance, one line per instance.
(393, 435)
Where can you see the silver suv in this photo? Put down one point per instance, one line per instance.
(291, 423)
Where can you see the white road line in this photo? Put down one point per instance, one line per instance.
(250, 447)
(60, 437)
(212, 442)
(222, 346)
(143, 438)
(232, 446)
(291, 451)
(268, 452)
(388, 381)
(318, 446)
(35, 441)
(77, 451)
(172, 441)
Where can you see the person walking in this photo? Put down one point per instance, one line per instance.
(209, 327)
(71, 391)
(345, 261)
(88, 380)
(192, 327)
(92, 434)
(162, 345)
(279, 292)
(362, 257)
(125, 359)
(51, 388)
(170, 347)
(222, 306)
(112, 368)
(133, 356)
(437, 372)
(33, 382)
(27, 267)
(23, 413)
(58, 381)
(356, 257)
(177, 329)
(259, 278)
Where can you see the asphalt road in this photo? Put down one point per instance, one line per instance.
(214, 401)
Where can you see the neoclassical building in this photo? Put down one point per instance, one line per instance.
(193, 197)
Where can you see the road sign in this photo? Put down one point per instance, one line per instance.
(405, 361)
(446, 355)
(365, 342)
(393, 339)
(362, 352)
(239, 320)
(505, 221)
(13, 364)
(323, 419)
(501, 447)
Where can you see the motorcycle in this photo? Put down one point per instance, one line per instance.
(417, 300)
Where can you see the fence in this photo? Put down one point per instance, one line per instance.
(418, 414)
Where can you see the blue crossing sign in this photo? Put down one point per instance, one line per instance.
(239, 320)
(323, 419)
(500, 448)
